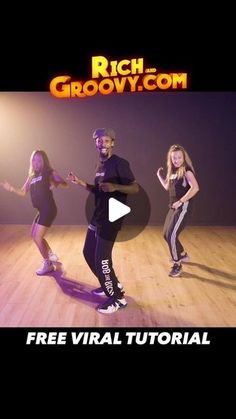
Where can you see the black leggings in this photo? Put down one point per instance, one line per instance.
(175, 222)
(98, 255)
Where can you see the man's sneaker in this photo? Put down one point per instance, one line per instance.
(176, 270)
(46, 268)
(112, 305)
(99, 291)
(184, 258)
(52, 256)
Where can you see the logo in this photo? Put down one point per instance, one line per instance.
(127, 75)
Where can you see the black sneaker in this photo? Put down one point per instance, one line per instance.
(176, 270)
(99, 291)
(112, 305)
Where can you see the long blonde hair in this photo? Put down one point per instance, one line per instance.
(182, 169)
(46, 163)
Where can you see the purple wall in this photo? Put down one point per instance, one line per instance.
(146, 125)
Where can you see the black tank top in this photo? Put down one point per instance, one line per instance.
(41, 195)
(178, 187)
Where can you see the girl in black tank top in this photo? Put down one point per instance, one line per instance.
(182, 186)
(40, 182)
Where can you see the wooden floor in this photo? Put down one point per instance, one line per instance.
(204, 296)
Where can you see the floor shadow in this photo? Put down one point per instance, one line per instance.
(213, 271)
(79, 290)
(74, 288)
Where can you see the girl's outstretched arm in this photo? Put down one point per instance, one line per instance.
(19, 191)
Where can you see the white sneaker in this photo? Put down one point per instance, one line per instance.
(52, 256)
(112, 305)
(184, 258)
(47, 267)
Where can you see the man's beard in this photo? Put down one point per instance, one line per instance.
(104, 154)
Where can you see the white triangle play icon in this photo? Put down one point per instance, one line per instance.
(117, 210)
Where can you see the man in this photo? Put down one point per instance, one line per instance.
(113, 179)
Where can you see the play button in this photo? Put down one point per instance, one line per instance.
(117, 210)
(133, 215)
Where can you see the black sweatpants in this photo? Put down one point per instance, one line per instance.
(98, 255)
(175, 222)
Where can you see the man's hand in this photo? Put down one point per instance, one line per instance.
(73, 178)
(107, 187)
